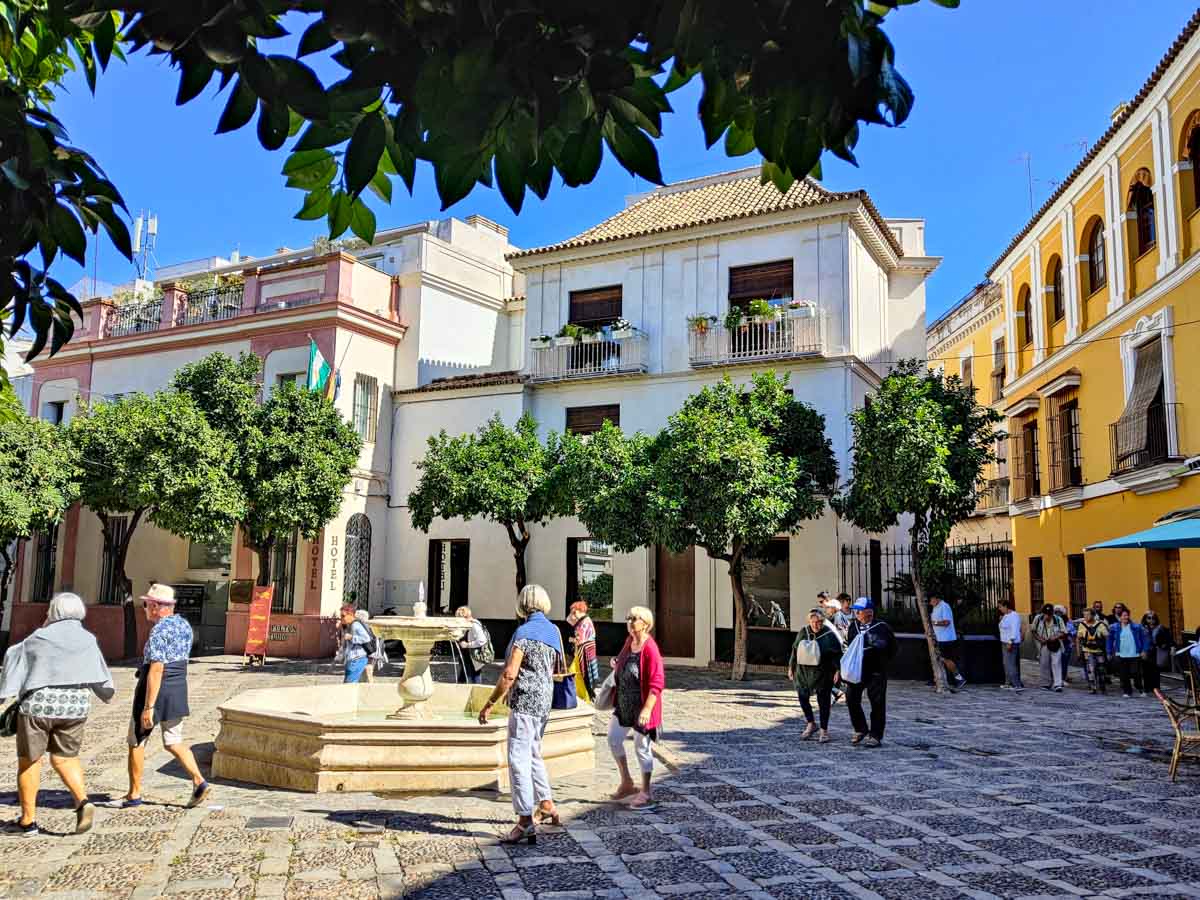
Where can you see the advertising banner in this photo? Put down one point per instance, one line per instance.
(259, 624)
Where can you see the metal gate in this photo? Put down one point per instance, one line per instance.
(356, 578)
(45, 559)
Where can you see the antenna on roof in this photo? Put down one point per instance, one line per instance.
(1027, 158)
(145, 237)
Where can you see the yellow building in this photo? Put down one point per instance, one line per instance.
(969, 341)
(1100, 294)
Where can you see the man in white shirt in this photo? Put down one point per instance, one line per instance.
(942, 619)
(1010, 645)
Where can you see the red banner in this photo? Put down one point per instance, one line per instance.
(259, 624)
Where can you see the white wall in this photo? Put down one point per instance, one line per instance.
(151, 372)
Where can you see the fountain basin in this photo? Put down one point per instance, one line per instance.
(340, 738)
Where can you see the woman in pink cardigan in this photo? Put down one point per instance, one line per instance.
(638, 708)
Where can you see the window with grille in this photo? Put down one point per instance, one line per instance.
(1141, 204)
(770, 281)
(1097, 270)
(584, 420)
(595, 307)
(110, 579)
(1077, 584)
(366, 406)
(44, 562)
(1026, 468)
(283, 573)
(1037, 588)
(1066, 458)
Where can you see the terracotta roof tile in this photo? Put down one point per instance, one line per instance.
(678, 206)
(478, 379)
(1163, 64)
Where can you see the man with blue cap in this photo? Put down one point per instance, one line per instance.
(879, 646)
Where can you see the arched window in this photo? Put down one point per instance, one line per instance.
(1027, 315)
(1058, 307)
(1193, 155)
(1141, 204)
(356, 577)
(1097, 272)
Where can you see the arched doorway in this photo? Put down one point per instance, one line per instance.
(356, 578)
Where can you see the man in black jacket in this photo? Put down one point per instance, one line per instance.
(879, 646)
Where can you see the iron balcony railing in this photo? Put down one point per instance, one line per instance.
(589, 359)
(994, 495)
(212, 305)
(780, 338)
(135, 318)
(1144, 439)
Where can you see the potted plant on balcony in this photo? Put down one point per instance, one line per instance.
(735, 319)
(567, 335)
(589, 335)
(621, 330)
(701, 324)
(761, 311)
(801, 309)
(541, 342)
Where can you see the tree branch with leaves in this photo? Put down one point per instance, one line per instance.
(920, 447)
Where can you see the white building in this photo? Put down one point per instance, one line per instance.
(431, 328)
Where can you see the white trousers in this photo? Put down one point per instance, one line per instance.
(528, 779)
(617, 733)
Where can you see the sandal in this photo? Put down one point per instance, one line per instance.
(520, 833)
(808, 731)
(857, 739)
(823, 737)
(547, 817)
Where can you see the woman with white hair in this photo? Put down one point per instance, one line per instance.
(528, 680)
(640, 680)
(53, 674)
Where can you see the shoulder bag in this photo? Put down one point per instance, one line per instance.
(808, 652)
(852, 659)
(564, 682)
(484, 654)
(606, 694)
(8, 719)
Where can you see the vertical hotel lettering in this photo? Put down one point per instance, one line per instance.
(333, 559)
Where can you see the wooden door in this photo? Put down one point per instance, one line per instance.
(675, 602)
(1174, 620)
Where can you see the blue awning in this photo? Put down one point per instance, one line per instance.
(1178, 530)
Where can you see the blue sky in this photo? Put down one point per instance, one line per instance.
(994, 80)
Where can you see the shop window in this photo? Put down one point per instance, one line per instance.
(590, 576)
(585, 420)
(1097, 269)
(765, 579)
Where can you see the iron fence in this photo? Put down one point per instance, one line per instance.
(1144, 439)
(975, 578)
(212, 305)
(134, 318)
(779, 338)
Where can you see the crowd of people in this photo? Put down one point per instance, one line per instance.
(56, 671)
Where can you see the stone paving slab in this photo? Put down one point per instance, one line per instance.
(982, 794)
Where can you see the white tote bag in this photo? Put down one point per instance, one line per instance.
(852, 659)
(808, 653)
(606, 694)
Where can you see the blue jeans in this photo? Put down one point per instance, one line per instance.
(354, 670)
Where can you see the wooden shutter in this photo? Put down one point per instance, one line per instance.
(596, 306)
(770, 281)
(1132, 429)
(585, 420)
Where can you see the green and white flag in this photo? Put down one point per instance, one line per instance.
(318, 368)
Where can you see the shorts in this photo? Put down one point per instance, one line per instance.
(949, 650)
(35, 735)
(172, 733)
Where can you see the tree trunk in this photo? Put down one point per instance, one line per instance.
(519, 539)
(740, 631)
(118, 553)
(5, 578)
(935, 653)
(263, 552)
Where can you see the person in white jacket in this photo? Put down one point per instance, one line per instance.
(1010, 645)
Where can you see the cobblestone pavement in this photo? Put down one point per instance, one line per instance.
(982, 794)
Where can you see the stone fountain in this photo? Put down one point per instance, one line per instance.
(415, 736)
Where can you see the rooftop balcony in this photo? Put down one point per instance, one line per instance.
(591, 356)
(793, 335)
(337, 279)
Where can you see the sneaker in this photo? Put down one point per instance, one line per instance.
(200, 794)
(1006, 687)
(1142, 694)
(1058, 690)
(84, 815)
(872, 741)
(122, 803)
(960, 680)
(1019, 690)
(1127, 696)
(30, 830)
(1046, 687)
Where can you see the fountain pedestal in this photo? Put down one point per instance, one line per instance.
(351, 737)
